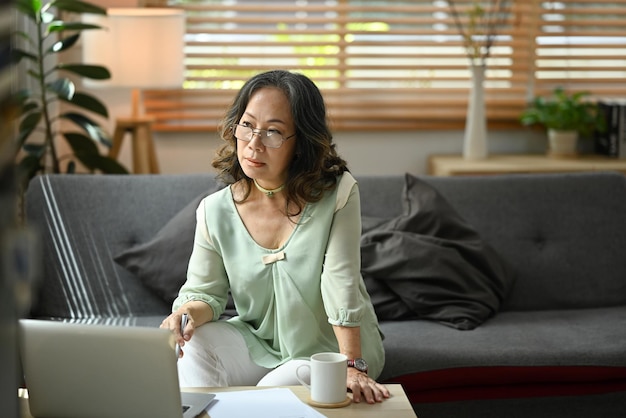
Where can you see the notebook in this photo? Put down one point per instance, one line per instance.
(101, 371)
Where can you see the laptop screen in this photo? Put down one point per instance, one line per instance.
(76, 370)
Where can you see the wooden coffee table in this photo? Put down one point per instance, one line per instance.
(397, 406)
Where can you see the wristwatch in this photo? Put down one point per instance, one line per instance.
(359, 364)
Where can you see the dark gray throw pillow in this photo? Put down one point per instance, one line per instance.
(429, 263)
(161, 263)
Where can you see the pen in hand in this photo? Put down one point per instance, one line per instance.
(183, 324)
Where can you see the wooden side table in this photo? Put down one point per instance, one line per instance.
(456, 165)
(144, 155)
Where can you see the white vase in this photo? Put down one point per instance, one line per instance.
(562, 144)
(475, 140)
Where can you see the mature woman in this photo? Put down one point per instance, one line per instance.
(284, 239)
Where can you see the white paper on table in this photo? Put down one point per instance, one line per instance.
(260, 403)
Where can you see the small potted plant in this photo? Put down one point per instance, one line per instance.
(565, 116)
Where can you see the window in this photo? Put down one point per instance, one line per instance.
(392, 65)
(580, 45)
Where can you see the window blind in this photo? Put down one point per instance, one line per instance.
(392, 65)
(580, 45)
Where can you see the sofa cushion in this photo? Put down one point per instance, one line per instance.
(578, 348)
(161, 263)
(84, 221)
(430, 263)
(593, 337)
(563, 234)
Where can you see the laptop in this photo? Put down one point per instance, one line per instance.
(103, 371)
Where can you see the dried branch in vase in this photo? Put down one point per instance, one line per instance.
(480, 26)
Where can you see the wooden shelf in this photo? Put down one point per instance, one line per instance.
(456, 165)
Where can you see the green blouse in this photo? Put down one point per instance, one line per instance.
(287, 298)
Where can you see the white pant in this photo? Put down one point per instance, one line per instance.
(217, 356)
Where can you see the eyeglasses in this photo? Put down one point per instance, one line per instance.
(271, 139)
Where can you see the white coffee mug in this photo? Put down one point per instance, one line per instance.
(328, 377)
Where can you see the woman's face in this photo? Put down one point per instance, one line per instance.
(269, 110)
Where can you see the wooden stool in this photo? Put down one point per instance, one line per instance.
(144, 156)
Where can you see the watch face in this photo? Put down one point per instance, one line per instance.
(360, 364)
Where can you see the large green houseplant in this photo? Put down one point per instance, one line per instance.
(565, 116)
(41, 123)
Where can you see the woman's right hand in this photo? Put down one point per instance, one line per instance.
(198, 313)
(173, 323)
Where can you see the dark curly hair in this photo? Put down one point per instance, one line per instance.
(316, 164)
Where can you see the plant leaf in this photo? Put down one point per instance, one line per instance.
(29, 107)
(71, 167)
(29, 7)
(63, 87)
(24, 36)
(89, 102)
(81, 143)
(28, 167)
(47, 17)
(33, 74)
(96, 72)
(22, 99)
(36, 150)
(78, 6)
(88, 154)
(18, 54)
(109, 165)
(59, 25)
(27, 126)
(21, 96)
(576, 96)
(94, 131)
(64, 44)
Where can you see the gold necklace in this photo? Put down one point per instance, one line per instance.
(268, 192)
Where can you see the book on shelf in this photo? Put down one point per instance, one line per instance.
(612, 141)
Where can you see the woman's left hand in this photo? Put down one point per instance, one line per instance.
(363, 386)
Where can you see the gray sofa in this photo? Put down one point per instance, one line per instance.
(554, 344)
